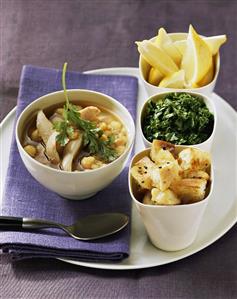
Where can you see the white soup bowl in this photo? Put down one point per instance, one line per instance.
(75, 185)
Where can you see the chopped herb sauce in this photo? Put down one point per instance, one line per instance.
(179, 118)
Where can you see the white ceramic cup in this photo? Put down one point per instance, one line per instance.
(169, 228)
(144, 69)
(207, 144)
(75, 185)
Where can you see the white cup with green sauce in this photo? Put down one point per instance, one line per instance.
(202, 142)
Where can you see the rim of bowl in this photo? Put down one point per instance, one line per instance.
(131, 140)
(179, 91)
(216, 59)
(205, 200)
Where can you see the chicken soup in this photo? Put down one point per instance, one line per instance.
(75, 138)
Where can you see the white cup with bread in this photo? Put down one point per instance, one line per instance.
(171, 187)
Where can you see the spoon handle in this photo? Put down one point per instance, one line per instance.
(31, 223)
(8, 222)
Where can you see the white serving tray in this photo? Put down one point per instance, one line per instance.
(221, 213)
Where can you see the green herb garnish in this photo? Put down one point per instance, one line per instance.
(91, 134)
(179, 118)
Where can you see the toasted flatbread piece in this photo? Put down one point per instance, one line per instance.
(189, 190)
(161, 144)
(194, 159)
(162, 176)
(145, 163)
(161, 151)
(141, 173)
(196, 174)
(162, 157)
(166, 197)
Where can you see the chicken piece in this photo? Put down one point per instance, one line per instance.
(40, 157)
(189, 190)
(141, 173)
(194, 159)
(147, 198)
(69, 153)
(166, 197)
(44, 126)
(51, 148)
(90, 113)
(56, 118)
(161, 151)
(196, 174)
(163, 176)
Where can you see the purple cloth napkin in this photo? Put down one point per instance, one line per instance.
(25, 197)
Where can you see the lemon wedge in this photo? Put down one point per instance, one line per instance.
(205, 80)
(214, 43)
(176, 80)
(197, 58)
(208, 77)
(181, 45)
(156, 57)
(164, 41)
(154, 76)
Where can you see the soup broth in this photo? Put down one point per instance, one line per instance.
(41, 139)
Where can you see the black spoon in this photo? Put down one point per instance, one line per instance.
(88, 228)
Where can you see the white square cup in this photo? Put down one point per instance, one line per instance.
(144, 69)
(205, 145)
(169, 228)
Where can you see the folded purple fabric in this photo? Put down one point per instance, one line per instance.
(25, 197)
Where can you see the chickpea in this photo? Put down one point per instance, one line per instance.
(31, 150)
(124, 131)
(94, 166)
(87, 162)
(59, 111)
(103, 126)
(35, 136)
(107, 132)
(74, 135)
(120, 149)
(108, 119)
(97, 164)
(122, 140)
(104, 137)
(115, 125)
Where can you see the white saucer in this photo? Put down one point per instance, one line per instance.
(221, 213)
